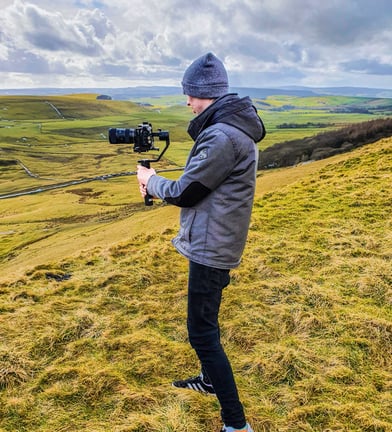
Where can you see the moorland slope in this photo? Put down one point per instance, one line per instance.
(93, 295)
(91, 340)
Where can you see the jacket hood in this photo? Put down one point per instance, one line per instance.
(232, 110)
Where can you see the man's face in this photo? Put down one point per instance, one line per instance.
(198, 105)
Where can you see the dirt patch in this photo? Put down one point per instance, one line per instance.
(8, 162)
(85, 193)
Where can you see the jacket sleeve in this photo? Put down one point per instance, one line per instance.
(212, 159)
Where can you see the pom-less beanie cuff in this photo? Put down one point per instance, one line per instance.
(205, 92)
(206, 78)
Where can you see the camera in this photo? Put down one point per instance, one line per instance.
(141, 137)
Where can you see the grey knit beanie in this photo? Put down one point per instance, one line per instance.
(206, 78)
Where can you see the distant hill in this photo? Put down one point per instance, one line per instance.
(157, 91)
(324, 145)
(345, 91)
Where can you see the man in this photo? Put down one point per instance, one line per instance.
(215, 193)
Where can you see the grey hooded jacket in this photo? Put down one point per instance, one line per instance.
(217, 187)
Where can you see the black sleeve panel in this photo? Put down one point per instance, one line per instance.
(194, 193)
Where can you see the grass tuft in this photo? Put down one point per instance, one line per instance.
(14, 369)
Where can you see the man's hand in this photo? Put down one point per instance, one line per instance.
(143, 175)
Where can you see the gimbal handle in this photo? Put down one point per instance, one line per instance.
(148, 198)
(163, 136)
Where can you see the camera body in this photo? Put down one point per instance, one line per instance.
(141, 137)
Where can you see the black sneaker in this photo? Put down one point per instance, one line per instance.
(197, 383)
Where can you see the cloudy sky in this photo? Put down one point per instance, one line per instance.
(263, 43)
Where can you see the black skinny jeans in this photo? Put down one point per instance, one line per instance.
(205, 287)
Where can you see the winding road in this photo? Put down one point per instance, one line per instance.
(73, 183)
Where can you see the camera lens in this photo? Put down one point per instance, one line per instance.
(121, 136)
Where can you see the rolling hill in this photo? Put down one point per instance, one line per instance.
(92, 294)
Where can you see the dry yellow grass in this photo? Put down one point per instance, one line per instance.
(92, 323)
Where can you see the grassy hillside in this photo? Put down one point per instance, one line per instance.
(91, 339)
(93, 296)
(58, 149)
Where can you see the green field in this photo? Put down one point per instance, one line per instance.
(93, 295)
(65, 137)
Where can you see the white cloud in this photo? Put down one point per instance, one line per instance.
(263, 42)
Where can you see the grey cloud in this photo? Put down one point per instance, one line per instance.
(23, 62)
(110, 69)
(351, 21)
(332, 22)
(97, 21)
(373, 67)
(133, 73)
(50, 31)
(265, 78)
(27, 62)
